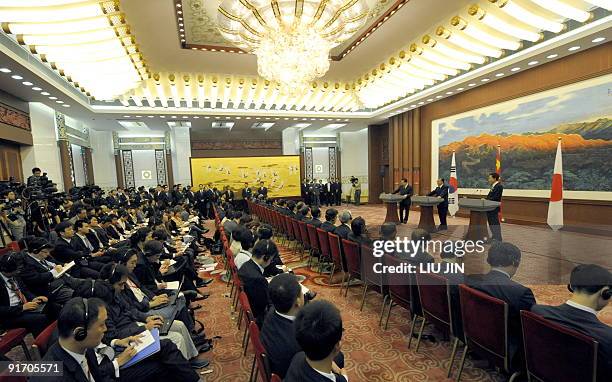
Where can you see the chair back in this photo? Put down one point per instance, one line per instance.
(334, 248)
(260, 353)
(435, 300)
(368, 262)
(353, 257)
(485, 323)
(555, 353)
(304, 234)
(313, 237)
(246, 307)
(296, 230)
(275, 378)
(400, 285)
(41, 342)
(289, 227)
(323, 242)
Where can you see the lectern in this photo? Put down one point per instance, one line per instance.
(427, 204)
(477, 229)
(391, 201)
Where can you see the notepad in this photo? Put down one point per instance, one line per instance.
(173, 285)
(147, 351)
(65, 269)
(145, 339)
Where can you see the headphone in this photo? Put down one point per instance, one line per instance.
(6, 262)
(606, 294)
(112, 272)
(80, 333)
(93, 284)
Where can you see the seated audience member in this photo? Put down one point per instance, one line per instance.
(253, 281)
(82, 326)
(81, 243)
(388, 232)
(318, 331)
(147, 268)
(232, 223)
(504, 259)
(421, 256)
(64, 253)
(42, 277)
(359, 232)
(315, 214)
(276, 266)
(302, 214)
(344, 228)
(111, 231)
(291, 208)
(591, 287)
(124, 319)
(97, 235)
(277, 334)
(329, 224)
(246, 239)
(19, 308)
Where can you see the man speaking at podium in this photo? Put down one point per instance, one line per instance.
(495, 194)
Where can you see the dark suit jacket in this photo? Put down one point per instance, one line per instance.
(278, 338)
(36, 276)
(262, 191)
(404, 190)
(327, 226)
(585, 323)
(98, 238)
(495, 194)
(146, 273)
(361, 239)
(256, 288)
(65, 252)
(6, 310)
(517, 296)
(112, 232)
(72, 370)
(300, 371)
(315, 222)
(442, 192)
(343, 231)
(79, 245)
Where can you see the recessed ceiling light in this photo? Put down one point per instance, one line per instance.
(227, 117)
(471, 85)
(196, 117)
(429, 100)
(421, 103)
(459, 89)
(139, 116)
(413, 106)
(27, 83)
(178, 5)
(174, 116)
(185, 117)
(449, 93)
(16, 77)
(552, 56)
(515, 69)
(53, 98)
(484, 80)
(126, 116)
(180, 12)
(66, 105)
(598, 39)
(162, 116)
(499, 74)
(207, 117)
(438, 96)
(238, 117)
(36, 88)
(150, 116)
(5, 70)
(532, 63)
(45, 93)
(573, 48)
(59, 101)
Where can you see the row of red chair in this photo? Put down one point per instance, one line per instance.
(484, 318)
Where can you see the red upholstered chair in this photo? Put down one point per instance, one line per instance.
(41, 343)
(261, 366)
(370, 278)
(313, 238)
(246, 315)
(290, 232)
(434, 293)
(275, 378)
(353, 262)
(304, 236)
(298, 237)
(13, 338)
(324, 246)
(401, 293)
(336, 254)
(555, 353)
(485, 323)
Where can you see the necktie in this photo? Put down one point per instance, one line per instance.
(85, 368)
(17, 291)
(87, 243)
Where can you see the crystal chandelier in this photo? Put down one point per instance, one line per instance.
(292, 39)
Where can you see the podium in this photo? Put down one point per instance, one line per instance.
(391, 201)
(477, 229)
(427, 204)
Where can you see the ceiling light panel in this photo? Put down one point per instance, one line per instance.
(87, 42)
(481, 32)
(223, 125)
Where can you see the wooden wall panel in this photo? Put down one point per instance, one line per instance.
(10, 162)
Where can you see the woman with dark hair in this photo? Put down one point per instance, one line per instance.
(138, 238)
(359, 232)
(125, 320)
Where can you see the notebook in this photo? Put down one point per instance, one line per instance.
(146, 351)
(65, 269)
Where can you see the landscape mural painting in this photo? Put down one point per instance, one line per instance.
(527, 130)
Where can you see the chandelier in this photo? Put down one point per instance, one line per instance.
(292, 39)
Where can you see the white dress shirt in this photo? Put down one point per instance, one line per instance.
(82, 361)
(242, 257)
(13, 297)
(581, 307)
(47, 264)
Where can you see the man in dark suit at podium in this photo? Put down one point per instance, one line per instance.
(495, 194)
(404, 206)
(442, 192)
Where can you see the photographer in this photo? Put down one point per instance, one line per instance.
(12, 215)
(355, 190)
(35, 179)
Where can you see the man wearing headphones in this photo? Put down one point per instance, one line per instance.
(19, 308)
(254, 283)
(82, 326)
(591, 287)
(504, 259)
